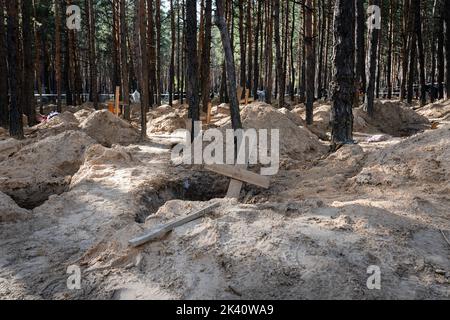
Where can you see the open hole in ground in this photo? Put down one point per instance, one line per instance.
(199, 186)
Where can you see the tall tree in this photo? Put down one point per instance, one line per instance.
(360, 66)
(229, 61)
(144, 70)
(192, 65)
(206, 56)
(343, 86)
(4, 108)
(310, 57)
(371, 68)
(256, 53)
(446, 16)
(278, 57)
(93, 88)
(172, 54)
(15, 113)
(58, 53)
(28, 85)
(418, 30)
(124, 60)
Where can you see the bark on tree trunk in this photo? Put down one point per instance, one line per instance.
(4, 108)
(144, 69)
(360, 45)
(58, 54)
(371, 67)
(310, 61)
(229, 61)
(343, 86)
(192, 62)
(206, 56)
(124, 62)
(15, 116)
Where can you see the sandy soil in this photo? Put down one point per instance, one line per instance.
(83, 193)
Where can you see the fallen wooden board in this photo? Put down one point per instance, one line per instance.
(240, 174)
(160, 231)
(235, 187)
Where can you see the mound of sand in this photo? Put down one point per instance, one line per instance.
(391, 117)
(419, 159)
(295, 142)
(3, 134)
(10, 211)
(43, 168)
(8, 147)
(83, 114)
(439, 109)
(108, 129)
(394, 118)
(63, 122)
(167, 123)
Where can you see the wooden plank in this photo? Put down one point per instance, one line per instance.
(239, 94)
(117, 100)
(161, 230)
(235, 187)
(240, 174)
(208, 114)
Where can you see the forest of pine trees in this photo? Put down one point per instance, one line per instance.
(283, 51)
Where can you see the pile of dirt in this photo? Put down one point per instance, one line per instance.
(8, 147)
(83, 114)
(10, 211)
(395, 118)
(437, 110)
(391, 117)
(167, 123)
(295, 142)
(108, 129)
(420, 159)
(4, 134)
(62, 122)
(43, 168)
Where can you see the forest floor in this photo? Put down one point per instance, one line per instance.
(80, 186)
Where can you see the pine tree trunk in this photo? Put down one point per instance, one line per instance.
(124, 61)
(310, 61)
(249, 46)
(418, 30)
(28, 85)
(392, 12)
(4, 108)
(58, 53)
(446, 16)
(144, 70)
(15, 116)
(405, 47)
(192, 61)
(206, 56)
(243, 53)
(93, 87)
(360, 68)
(343, 74)
(440, 61)
(371, 67)
(158, 51)
(172, 55)
(257, 44)
(229, 61)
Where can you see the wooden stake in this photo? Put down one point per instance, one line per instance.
(117, 100)
(161, 230)
(240, 174)
(208, 115)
